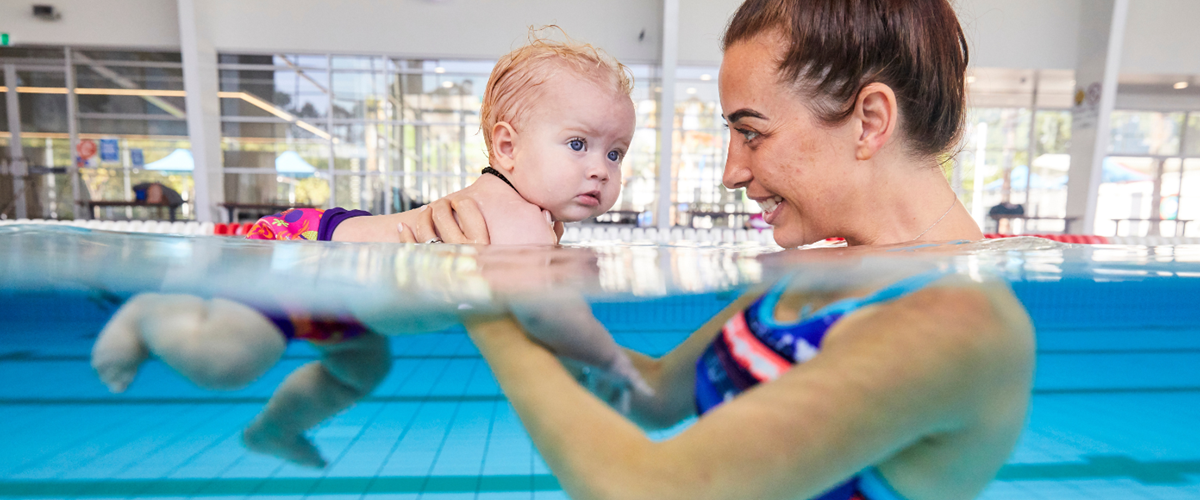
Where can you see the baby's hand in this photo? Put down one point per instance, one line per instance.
(566, 326)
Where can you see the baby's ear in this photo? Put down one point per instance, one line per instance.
(504, 140)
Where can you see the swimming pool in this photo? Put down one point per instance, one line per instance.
(1115, 405)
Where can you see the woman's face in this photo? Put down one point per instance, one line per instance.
(801, 171)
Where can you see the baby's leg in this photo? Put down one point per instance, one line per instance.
(215, 343)
(347, 372)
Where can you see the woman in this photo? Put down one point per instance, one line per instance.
(841, 110)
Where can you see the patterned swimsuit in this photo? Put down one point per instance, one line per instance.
(753, 348)
(310, 224)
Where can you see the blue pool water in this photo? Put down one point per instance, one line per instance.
(1115, 411)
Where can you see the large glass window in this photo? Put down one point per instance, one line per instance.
(1148, 133)
(384, 134)
(1188, 196)
(1142, 190)
(374, 133)
(1015, 148)
(133, 100)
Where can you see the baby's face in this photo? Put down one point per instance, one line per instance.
(569, 149)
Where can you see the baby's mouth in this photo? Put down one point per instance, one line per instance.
(590, 198)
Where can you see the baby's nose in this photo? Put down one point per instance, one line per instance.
(598, 172)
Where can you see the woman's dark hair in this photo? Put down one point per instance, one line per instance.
(834, 48)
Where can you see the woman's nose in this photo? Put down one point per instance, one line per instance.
(736, 174)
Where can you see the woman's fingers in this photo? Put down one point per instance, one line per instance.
(470, 220)
(406, 233)
(421, 226)
(459, 221)
(559, 229)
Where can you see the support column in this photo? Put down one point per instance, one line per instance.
(1102, 36)
(203, 109)
(666, 111)
(80, 211)
(18, 167)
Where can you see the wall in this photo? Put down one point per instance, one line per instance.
(1034, 34)
(452, 28)
(145, 24)
(1041, 34)
(1161, 37)
(701, 24)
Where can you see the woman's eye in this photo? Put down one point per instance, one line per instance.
(749, 135)
(576, 144)
(614, 156)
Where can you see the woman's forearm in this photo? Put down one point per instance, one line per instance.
(587, 445)
(673, 376)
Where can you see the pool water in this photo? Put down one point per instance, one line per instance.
(1115, 407)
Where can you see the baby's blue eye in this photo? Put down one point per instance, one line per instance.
(614, 156)
(576, 144)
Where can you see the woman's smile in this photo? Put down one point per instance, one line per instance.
(770, 207)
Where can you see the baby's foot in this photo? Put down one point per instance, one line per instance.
(269, 440)
(118, 352)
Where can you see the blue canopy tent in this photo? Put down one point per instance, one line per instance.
(179, 160)
(1036, 182)
(291, 164)
(1113, 171)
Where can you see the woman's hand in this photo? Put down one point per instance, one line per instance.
(448, 220)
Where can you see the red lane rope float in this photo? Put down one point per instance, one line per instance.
(1082, 239)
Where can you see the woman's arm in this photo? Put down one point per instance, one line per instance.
(888, 376)
(673, 376)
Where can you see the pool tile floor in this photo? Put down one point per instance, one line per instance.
(438, 428)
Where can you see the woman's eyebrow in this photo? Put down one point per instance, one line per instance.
(744, 113)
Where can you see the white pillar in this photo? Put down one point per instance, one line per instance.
(18, 167)
(666, 111)
(203, 109)
(1101, 37)
(73, 136)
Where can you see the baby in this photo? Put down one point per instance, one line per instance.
(557, 119)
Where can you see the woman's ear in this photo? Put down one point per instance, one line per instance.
(504, 145)
(877, 115)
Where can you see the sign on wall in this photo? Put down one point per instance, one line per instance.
(86, 148)
(110, 150)
(137, 158)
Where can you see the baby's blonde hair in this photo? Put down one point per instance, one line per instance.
(518, 75)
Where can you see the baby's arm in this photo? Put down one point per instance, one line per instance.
(565, 324)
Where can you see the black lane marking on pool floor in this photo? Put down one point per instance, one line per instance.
(31, 357)
(1115, 351)
(277, 486)
(1105, 467)
(1115, 390)
(484, 398)
(497, 397)
(1161, 472)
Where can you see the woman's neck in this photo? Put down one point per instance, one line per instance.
(906, 203)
